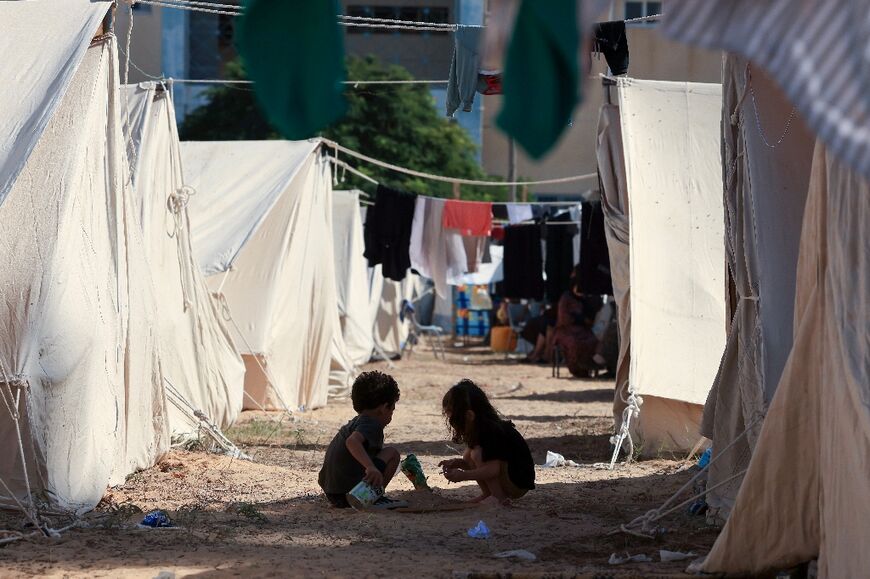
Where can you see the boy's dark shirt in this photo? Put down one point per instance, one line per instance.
(503, 442)
(341, 471)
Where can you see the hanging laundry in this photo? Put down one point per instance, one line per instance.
(611, 40)
(498, 233)
(470, 218)
(523, 263)
(517, 212)
(576, 215)
(559, 255)
(476, 249)
(464, 69)
(388, 232)
(294, 53)
(541, 75)
(594, 267)
(435, 252)
(489, 83)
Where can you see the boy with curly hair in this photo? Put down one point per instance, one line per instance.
(357, 451)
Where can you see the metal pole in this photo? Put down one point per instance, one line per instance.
(512, 168)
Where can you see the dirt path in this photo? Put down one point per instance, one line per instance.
(266, 518)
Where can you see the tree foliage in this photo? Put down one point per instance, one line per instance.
(394, 123)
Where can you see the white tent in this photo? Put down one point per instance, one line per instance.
(670, 132)
(83, 400)
(203, 369)
(261, 228)
(804, 495)
(352, 277)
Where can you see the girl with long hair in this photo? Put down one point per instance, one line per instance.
(497, 457)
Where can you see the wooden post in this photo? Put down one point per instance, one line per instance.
(457, 193)
(525, 193)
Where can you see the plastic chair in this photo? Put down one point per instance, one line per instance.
(434, 334)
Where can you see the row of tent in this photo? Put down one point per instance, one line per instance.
(154, 288)
(778, 364)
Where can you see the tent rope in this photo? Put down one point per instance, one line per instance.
(645, 521)
(205, 423)
(337, 147)
(632, 410)
(13, 406)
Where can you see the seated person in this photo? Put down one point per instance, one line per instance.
(536, 330)
(573, 334)
(357, 451)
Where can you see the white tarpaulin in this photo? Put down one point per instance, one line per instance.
(198, 356)
(40, 76)
(671, 139)
(352, 279)
(262, 215)
(78, 354)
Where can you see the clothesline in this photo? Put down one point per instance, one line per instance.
(357, 172)
(444, 25)
(353, 82)
(344, 20)
(444, 179)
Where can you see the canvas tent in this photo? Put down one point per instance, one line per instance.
(803, 496)
(615, 206)
(82, 388)
(352, 277)
(385, 299)
(764, 185)
(261, 229)
(203, 369)
(670, 135)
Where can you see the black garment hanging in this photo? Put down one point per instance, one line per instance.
(560, 255)
(523, 263)
(611, 41)
(387, 232)
(594, 266)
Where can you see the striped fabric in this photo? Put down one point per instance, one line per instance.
(817, 50)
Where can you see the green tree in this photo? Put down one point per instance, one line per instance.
(394, 123)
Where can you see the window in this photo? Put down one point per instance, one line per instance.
(641, 9)
(434, 14)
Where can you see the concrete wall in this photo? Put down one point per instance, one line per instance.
(426, 54)
(652, 57)
(145, 47)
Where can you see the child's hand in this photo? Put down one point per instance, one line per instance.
(451, 464)
(455, 474)
(374, 477)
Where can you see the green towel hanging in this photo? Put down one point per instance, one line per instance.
(294, 53)
(541, 82)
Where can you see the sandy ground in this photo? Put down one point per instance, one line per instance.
(266, 518)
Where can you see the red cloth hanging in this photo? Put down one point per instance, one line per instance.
(471, 218)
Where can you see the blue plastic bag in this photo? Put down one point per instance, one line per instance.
(156, 519)
(479, 531)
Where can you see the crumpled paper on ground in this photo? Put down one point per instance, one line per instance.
(554, 459)
(518, 553)
(626, 558)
